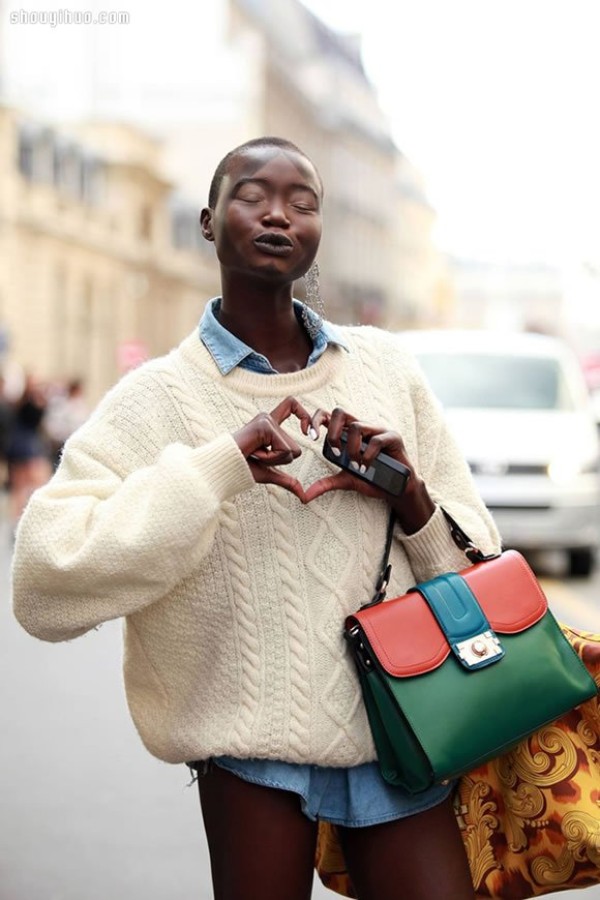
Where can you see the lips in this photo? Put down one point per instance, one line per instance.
(274, 243)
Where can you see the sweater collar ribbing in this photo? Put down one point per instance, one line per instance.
(257, 383)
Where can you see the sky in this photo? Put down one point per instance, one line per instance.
(494, 101)
(497, 103)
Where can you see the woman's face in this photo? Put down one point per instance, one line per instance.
(267, 219)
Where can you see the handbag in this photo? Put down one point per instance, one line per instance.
(462, 667)
(530, 819)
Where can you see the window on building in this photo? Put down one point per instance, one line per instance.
(25, 153)
(67, 165)
(43, 156)
(35, 152)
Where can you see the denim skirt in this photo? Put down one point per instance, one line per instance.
(354, 797)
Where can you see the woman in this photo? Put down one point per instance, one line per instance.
(196, 502)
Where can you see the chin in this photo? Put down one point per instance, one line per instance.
(273, 273)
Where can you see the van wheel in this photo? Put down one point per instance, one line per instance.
(581, 562)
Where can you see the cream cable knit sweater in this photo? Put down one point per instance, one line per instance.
(234, 594)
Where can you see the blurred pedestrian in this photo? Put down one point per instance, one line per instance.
(196, 502)
(67, 409)
(27, 452)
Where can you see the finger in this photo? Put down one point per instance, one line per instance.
(266, 456)
(354, 440)
(291, 406)
(265, 475)
(344, 481)
(340, 482)
(388, 442)
(277, 445)
(263, 433)
(318, 418)
(359, 436)
(338, 422)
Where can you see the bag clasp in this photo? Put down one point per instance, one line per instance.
(475, 650)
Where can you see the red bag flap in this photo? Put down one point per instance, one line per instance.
(406, 637)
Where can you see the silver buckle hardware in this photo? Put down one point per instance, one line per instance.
(482, 647)
(361, 653)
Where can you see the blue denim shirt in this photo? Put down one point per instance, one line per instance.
(228, 351)
(353, 797)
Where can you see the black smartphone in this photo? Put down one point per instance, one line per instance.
(384, 472)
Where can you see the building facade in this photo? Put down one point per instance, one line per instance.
(511, 296)
(299, 79)
(102, 261)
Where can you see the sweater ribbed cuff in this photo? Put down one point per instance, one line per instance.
(224, 466)
(432, 549)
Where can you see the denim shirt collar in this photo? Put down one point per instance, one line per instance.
(228, 351)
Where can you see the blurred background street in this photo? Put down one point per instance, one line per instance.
(459, 154)
(86, 812)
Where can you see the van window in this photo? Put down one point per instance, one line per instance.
(472, 380)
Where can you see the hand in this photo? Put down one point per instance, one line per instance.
(413, 508)
(265, 445)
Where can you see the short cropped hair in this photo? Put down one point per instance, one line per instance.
(268, 141)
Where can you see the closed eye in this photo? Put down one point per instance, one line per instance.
(249, 193)
(255, 198)
(304, 207)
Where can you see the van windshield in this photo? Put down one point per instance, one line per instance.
(496, 381)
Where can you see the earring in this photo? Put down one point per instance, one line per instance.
(313, 317)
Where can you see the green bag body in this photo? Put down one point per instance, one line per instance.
(440, 703)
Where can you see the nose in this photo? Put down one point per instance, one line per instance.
(276, 213)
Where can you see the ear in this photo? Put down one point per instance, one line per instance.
(206, 224)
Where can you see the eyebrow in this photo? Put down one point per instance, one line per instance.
(264, 183)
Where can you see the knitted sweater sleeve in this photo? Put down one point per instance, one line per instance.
(105, 537)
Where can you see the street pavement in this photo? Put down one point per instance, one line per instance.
(85, 812)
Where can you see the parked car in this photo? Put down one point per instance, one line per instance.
(519, 408)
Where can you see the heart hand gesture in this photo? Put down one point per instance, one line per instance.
(266, 445)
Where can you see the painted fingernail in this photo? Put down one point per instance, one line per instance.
(313, 434)
(336, 452)
(362, 469)
(354, 464)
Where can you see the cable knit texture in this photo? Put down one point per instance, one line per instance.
(234, 594)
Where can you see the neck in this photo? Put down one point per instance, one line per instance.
(263, 317)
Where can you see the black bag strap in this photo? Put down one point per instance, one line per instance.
(460, 538)
(386, 566)
(464, 542)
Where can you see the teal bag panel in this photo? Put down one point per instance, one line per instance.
(461, 718)
(460, 617)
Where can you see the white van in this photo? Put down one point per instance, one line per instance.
(520, 410)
